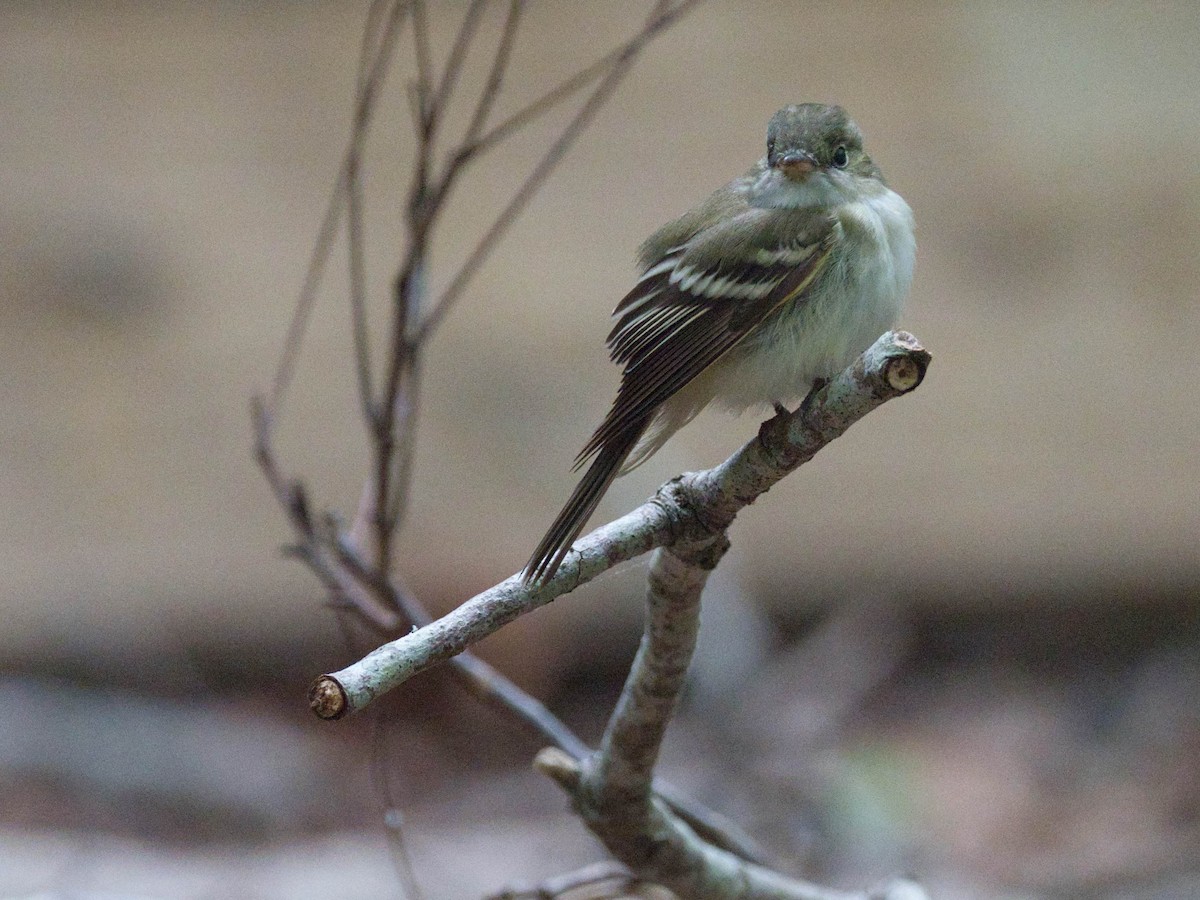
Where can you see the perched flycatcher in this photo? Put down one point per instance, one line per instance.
(779, 279)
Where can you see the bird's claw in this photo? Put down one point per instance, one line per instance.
(817, 386)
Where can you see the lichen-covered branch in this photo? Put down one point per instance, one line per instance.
(667, 851)
(612, 789)
(688, 511)
(619, 775)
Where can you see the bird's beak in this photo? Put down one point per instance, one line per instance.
(796, 164)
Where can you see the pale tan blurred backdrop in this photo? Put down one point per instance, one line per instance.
(163, 169)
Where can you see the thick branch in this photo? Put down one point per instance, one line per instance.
(612, 790)
(690, 510)
(670, 853)
(620, 774)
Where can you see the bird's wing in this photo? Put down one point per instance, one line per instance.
(700, 299)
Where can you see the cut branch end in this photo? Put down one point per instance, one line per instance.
(327, 698)
(558, 765)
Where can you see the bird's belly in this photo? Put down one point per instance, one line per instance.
(812, 342)
(855, 299)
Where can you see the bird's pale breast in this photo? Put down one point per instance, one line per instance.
(856, 298)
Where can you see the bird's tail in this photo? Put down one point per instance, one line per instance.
(570, 521)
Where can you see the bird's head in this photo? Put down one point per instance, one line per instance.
(814, 156)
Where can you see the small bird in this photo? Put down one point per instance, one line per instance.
(775, 282)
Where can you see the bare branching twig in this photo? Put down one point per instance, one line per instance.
(355, 562)
(383, 23)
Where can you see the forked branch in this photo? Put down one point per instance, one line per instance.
(693, 510)
(612, 791)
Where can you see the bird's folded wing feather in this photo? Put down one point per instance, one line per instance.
(701, 298)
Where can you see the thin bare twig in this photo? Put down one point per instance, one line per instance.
(661, 17)
(607, 872)
(491, 87)
(423, 87)
(617, 69)
(376, 48)
(393, 817)
(312, 546)
(367, 93)
(408, 403)
(397, 411)
(356, 249)
(397, 405)
(457, 54)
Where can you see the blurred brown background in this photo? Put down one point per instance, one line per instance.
(1011, 701)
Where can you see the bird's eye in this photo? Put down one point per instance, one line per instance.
(840, 157)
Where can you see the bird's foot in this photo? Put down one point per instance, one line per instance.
(817, 386)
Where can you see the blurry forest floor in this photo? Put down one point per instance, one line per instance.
(1033, 756)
